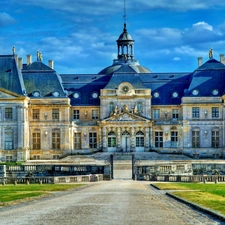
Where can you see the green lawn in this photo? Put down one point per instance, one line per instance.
(13, 193)
(211, 195)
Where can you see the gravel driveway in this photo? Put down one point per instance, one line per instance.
(117, 202)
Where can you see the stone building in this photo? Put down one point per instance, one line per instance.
(123, 108)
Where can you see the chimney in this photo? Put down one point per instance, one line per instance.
(199, 61)
(222, 59)
(20, 63)
(16, 58)
(51, 64)
(29, 59)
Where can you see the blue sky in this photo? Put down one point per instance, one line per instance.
(80, 35)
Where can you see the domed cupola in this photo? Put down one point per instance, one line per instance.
(125, 45)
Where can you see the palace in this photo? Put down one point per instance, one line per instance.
(123, 108)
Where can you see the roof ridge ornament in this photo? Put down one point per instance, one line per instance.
(210, 53)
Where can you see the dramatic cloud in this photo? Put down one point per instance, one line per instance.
(6, 19)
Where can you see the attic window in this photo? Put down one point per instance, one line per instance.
(36, 94)
(195, 92)
(175, 94)
(156, 94)
(76, 95)
(55, 94)
(94, 95)
(215, 92)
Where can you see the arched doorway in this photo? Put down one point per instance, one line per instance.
(126, 141)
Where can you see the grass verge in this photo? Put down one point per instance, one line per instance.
(10, 194)
(211, 195)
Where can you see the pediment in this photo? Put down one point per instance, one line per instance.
(126, 117)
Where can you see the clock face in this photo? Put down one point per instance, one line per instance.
(125, 89)
(76, 95)
(195, 92)
(215, 92)
(156, 94)
(94, 95)
(175, 94)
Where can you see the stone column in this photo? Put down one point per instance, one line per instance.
(104, 139)
(146, 139)
(132, 140)
(20, 126)
(100, 137)
(118, 139)
(151, 137)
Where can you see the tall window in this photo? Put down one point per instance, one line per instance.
(36, 140)
(139, 106)
(55, 114)
(93, 140)
(156, 113)
(56, 139)
(77, 140)
(159, 139)
(215, 139)
(195, 139)
(8, 113)
(174, 139)
(94, 114)
(175, 114)
(111, 139)
(139, 139)
(36, 114)
(9, 140)
(195, 112)
(111, 106)
(215, 112)
(76, 114)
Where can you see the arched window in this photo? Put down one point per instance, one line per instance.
(139, 139)
(111, 139)
(125, 133)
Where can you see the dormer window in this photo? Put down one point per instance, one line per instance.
(94, 95)
(36, 94)
(215, 92)
(195, 92)
(156, 94)
(76, 95)
(175, 94)
(55, 94)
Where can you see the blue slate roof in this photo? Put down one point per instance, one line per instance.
(166, 84)
(39, 77)
(118, 78)
(208, 77)
(10, 76)
(85, 85)
(121, 66)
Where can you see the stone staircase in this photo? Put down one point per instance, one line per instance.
(122, 166)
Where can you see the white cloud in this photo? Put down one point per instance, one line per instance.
(176, 58)
(203, 25)
(6, 19)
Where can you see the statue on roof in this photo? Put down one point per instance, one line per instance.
(211, 53)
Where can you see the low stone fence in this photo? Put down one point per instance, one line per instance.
(53, 180)
(184, 178)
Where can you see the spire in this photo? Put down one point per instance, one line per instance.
(125, 15)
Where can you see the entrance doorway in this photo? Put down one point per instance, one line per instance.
(126, 141)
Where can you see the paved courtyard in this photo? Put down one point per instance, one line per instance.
(117, 202)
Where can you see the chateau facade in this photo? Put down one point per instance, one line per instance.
(123, 108)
